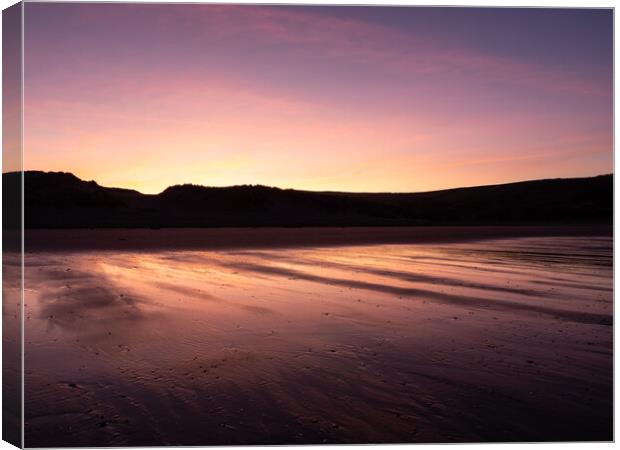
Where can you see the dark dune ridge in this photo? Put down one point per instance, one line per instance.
(61, 200)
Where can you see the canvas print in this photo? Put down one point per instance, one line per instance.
(232, 224)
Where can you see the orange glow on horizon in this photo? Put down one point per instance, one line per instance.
(289, 98)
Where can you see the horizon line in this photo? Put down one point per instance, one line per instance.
(306, 190)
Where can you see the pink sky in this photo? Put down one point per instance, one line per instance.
(352, 99)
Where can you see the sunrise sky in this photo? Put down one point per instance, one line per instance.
(320, 98)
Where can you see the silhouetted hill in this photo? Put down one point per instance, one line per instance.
(61, 200)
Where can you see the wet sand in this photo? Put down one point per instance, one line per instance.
(487, 340)
(227, 238)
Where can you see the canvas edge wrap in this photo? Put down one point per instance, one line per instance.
(12, 225)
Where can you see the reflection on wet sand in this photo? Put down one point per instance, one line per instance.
(11, 341)
(482, 341)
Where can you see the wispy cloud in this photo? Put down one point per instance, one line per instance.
(291, 96)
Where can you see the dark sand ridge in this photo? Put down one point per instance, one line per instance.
(231, 238)
(413, 277)
(461, 300)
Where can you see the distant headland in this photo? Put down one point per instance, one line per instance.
(62, 200)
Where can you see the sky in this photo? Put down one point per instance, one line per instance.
(11, 89)
(364, 99)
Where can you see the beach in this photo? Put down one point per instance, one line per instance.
(295, 224)
(478, 338)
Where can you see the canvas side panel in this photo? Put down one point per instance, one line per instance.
(12, 255)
